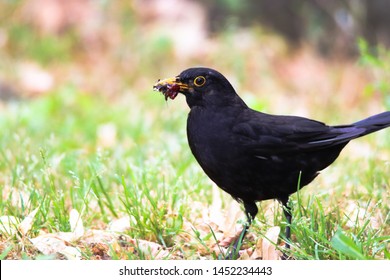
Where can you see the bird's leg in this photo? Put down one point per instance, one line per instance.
(237, 244)
(288, 214)
(250, 211)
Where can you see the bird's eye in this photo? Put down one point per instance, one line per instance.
(199, 81)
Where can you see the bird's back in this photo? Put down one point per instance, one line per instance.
(256, 156)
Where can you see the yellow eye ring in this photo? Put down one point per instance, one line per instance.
(199, 81)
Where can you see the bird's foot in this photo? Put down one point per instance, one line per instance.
(285, 257)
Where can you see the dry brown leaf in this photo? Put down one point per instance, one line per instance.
(246, 254)
(49, 243)
(214, 211)
(120, 225)
(269, 212)
(185, 235)
(202, 229)
(355, 214)
(100, 251)
(219, 250)
(150, 248)
(257, 254)
(66, 236)
(76, 223)
(225, 218)
(71, 253)
(377, 221)
(228, 240)
(27, 222)
(269, 251)
(225, 242)
(230, 227)
(99, 236)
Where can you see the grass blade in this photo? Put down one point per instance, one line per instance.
(347, 246)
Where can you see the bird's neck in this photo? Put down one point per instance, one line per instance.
(217, 103)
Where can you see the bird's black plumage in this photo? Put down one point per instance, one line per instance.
(255, 156)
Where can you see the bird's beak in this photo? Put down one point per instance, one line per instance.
(170, 87)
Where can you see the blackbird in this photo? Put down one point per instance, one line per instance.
(251, 155)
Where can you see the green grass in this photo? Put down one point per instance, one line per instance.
(51, 158)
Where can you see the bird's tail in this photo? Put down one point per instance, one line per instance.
(374, 123)
(342, 134)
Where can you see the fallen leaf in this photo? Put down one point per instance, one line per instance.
(245, 254)
(219, 250)
(225, 220)
(120, 225)
(150, 248)
(27, 222)
(48, 244)
(215, 213)
(377, 221)
(228, 240)
(66, 236)
(257, 254)
(230, 227)
(71, 253)
(99, 236)
(51, 243)
(76, 223)
(101, 251)
(269, 251)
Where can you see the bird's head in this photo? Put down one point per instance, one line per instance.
(201, 87)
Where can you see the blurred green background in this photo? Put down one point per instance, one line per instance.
(271, 49)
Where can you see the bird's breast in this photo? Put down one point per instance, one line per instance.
(209, 137)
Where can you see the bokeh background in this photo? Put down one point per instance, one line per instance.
(268, 49)
(81, 127)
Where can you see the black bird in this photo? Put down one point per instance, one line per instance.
(251, 155)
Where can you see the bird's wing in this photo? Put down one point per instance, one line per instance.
(270, 134)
